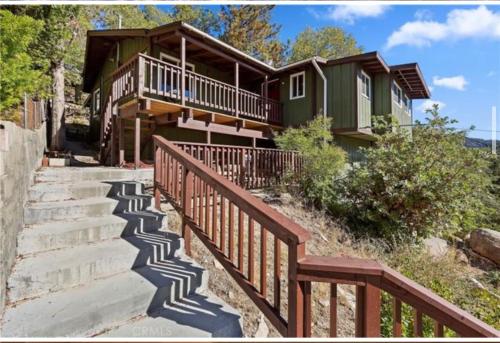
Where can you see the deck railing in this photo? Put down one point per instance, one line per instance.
(248, 237)
(145, 76)
(246, 166)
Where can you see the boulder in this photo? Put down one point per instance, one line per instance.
(486, 243)
(437, 247)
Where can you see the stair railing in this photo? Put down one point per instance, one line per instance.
(247, 236)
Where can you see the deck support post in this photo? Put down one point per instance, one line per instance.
(296, 291)
(137, 142)
(237, 85)
(209, 137)
(266, 107)
(113, 140)
(254, 142)
(368, 304)
(121, 141)
(183, 70)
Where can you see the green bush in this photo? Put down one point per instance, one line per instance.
(323, 160)
(414, 186)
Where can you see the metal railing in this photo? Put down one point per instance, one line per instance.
(248, 237)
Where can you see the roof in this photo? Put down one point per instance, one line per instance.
(300, 63)
(370, 61)
(410, 78)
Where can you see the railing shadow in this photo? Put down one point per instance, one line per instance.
(161, 262)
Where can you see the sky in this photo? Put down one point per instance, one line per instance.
(456, 46)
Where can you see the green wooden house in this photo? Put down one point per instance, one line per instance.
(181, 83)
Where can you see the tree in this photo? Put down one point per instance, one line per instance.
(323, 160)
(327, 42)
(197, 16)
(414, 186)
(249, 29)
(19, 72)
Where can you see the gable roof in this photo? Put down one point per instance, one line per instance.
(410, 78)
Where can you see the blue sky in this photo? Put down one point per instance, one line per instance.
(456, 46)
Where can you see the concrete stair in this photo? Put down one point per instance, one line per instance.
(95, 259)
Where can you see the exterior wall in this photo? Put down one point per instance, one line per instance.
(298, 111)
(365, 104)
(404, 118)
(21, 153)
(382, 99)
(352, 145)
(342, 93)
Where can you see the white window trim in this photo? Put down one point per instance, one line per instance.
(303, 73)
(176, 60)
(369, 88)
(400, 103)
(94, 96)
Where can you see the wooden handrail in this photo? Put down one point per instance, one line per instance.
(227, 219)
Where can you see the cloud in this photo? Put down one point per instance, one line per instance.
(423, 14)
(454, 82)
(459, 24)
(491, 73)
(431, 88)
(427, 105)
(349, 13)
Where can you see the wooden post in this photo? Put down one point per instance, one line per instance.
(368, 303)
(209, 137)
(113, 139)
(157, 174)
(187, 194)
(266, 109)
(140, 76)
(237, 85)
(121, 141)
(296, 292)
(137, 142)
(183, 71)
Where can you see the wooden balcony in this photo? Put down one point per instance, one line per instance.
(145, 77)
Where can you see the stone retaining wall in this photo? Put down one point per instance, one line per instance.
(21, 152)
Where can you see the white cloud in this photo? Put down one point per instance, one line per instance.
(459, 24)
(427, 105)
(491, 73)
(431, 88)
(349, 13)
(423, 14)
(454, 82)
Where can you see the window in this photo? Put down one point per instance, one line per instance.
(407, 103)
(297, 85)
(398, 96)
(174, 60)
(366, 84)
(96, 100)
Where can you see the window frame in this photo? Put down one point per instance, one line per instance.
(368, 85)
(95, 94)
(400, 102)
(297, 75)
(407, 105)
(176, 61)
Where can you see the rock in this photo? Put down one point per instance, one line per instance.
(324, 302)
(262, 329)
(436, 247)
(218, 265)
(286, 198)
(461, 257)
(346, 298)
(486, 243)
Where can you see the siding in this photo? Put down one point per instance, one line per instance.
(404, 118)
(352, 146)
(382, 103)
(364, 104)
(297, 111)
(342, 90)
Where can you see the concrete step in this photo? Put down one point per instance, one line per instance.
(43, 212)
(77, 174)
(105, 303)
(56, 270)
(199, 315)
(70, 233)
(56, 191)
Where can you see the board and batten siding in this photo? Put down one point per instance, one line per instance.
(382, 98)
(364, 103)
(352, 146)
(297, 111)
(342, 92)
(404, 118)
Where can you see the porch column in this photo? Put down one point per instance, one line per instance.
(237, 85)
(121, 141)
(113, 140)
(183, 71)
(266, 104)
(137, 142)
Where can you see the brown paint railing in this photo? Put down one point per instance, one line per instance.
(246, 236)
(144, 75)
(248, 167)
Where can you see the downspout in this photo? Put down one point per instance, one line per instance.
(320, 73)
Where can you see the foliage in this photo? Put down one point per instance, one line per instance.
(323, 160)
(249, 29)
(19, 73)
(327, 42)
(197, 16)
(448, 279)
(491, 199)
(415, 186)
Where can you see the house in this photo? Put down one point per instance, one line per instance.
(181, 83)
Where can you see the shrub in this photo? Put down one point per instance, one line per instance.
(323, 160)
(413, 186)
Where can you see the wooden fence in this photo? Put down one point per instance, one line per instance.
(33, 113)
(246, 166)
(247, 237)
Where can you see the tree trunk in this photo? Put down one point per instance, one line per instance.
(58, 103)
